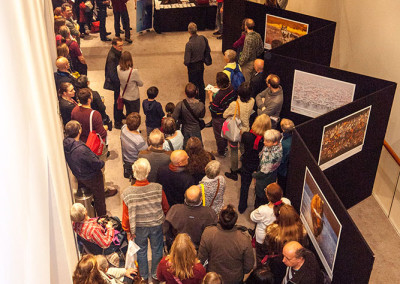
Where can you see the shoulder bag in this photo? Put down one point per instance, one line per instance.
(120, 102)
(203, 194)
(202, 124)
(94, 141)
(231, 126)
(171, 147)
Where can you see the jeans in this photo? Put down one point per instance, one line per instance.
(125, 23)
(234, 155)
(155, 235)
(222, 143)
(101, 16)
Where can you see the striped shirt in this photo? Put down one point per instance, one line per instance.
(142, 202)
(93, 232)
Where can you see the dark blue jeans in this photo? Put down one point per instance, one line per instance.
(155, 235)
(101, 16)
(125, 23)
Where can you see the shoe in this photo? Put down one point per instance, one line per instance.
(121, 32)
(118, 125)
(154, 280)
(216, 154)
(220, 37)
(108, 154)
(217, 33)
(110, 192)
(128, 40)
(208, 124)
(231, 175)
(106, 39)
(107, 33)
(82, 35)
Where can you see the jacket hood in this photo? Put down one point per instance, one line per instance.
(148, 106)
(70, 145)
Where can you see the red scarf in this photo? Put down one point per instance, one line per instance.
(257, 141)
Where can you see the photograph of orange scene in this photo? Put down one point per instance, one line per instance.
(343, 138)
(279, 31)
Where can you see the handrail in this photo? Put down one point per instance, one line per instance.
(391, 152)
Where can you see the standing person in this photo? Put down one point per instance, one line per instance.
(153, 110)
(243, 107)
(111, 77)
(66, 93)
(218, 104)
(287, 127)
(219, 19)
(181, 266)
(142, 218)
(130, 82)
(227, 247)
(195, 49)
(121, 13)
(190, 122)
(66, 12)
(173, 137)
(253, 47)
(253, 143)
(198, 158)
(85, 165)
(101, 16)
(75, 53)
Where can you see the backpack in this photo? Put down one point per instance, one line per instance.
(237, 77)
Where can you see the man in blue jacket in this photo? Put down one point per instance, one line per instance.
(85, 165)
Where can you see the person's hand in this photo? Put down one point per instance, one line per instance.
(105, 127)
(109, 225)
(209, 92)
(130, 271)
(130, 236)
(262, 108)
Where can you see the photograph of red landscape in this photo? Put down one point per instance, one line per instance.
(279, 31)
(343, 138)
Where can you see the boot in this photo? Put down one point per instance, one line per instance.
(232, 175)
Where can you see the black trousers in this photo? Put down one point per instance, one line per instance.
(196, 74)
(118, 114)
(96, 187)
(132, 106)
(125, 23)
(101, 16)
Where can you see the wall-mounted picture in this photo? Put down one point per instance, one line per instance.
(279, 31)
(314, 95)
(343, 138)
(321, 223)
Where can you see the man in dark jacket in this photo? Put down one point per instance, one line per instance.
(227, 248)
(112, 81)
(63, 75)
(85, 165)
(190, 218)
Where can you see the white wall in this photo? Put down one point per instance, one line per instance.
(37, 238)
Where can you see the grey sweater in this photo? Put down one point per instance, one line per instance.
(189, 123)
(272, 102)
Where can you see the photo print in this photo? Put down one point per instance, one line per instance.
(321, 223)
(279, 31)
(314, 95)
(343, 138)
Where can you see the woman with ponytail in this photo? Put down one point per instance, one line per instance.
(266, 215)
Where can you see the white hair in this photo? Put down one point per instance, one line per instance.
(272, 135)
(78, 212)
(212, 169)
(141, 169)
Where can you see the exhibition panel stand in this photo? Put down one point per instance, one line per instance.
(178, 18)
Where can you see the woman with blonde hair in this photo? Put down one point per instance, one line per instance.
(130, 82)
(253, 142)
(182, 265)
(287, 227)
(86, 271)
(212, 278)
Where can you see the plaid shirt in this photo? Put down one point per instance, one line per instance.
(253, 47)
(93, 232)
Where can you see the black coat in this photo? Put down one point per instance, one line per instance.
(112, 81)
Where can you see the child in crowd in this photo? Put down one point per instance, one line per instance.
(270, 159)
(169, 109)
(153, 110)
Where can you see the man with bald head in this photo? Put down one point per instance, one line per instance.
(253, 47)
(302, 266)
(174, 178)
(63, 73)
(257, 82)
(155, 154)
(191, 217)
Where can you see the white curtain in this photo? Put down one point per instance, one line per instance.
(36, 236)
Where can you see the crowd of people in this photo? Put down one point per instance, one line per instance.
(176, 198)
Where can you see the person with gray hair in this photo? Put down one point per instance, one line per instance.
(271, 157)
(114, 275)
(142, 217)
(214, 186)
(155, 153)
(191, 217)
(194, 59)
(85, 165)
(230, 68)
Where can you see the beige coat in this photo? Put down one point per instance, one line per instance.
(245, 111)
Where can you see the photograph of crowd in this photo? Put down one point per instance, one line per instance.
(343, 138)
(321, 223)
(314, 95)
(279, 31)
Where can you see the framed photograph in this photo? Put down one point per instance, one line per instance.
(279, 31)
(343, 138)
(321, 223)
(314, 95)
